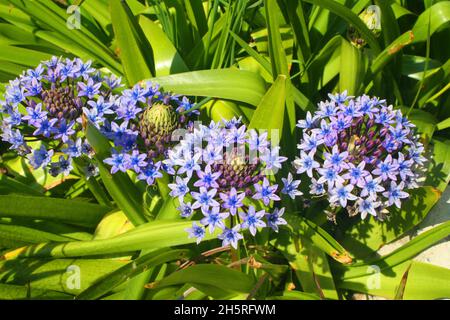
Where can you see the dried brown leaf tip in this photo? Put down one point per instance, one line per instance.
(253, 263)
(342, 257)
(151, 285)
(397, 47)
(290, 286)
(84, 121)
(118, 51)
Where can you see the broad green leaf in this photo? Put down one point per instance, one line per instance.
(75, 49)
(389, 25)
(431, 20)
(196, 15)
(169, 209)
(68, 211)
(119, 185)
(56, 21)
(23, 56)
(98, 9)
(128, 271)
(194, 295)
(276, 272)
(9, 70)
(124, 193)
(112, 224)
(69, 276)
(13, 14)
(401, 287)
(414, 66)
(399, 10)
(296, 14)
(134, 50)
(319, 237)
(269, 114)
(166, 293)
(253, 53)
(261, 41)
(309, 264)
(352, 68)
(230, 84)
(218, 110)
(15, 292)
(14, 35)
(9, 185)
(433, 83)
(250, 64)
(390, 51)
(435, 97)
(424, 281)
(14, 236)
(438, 173)
(68, 232)
(151, 235)
(279, 62)
(444, 124)
(211, 274)
(88, 27)
(404, 253)
(319, 270)
(167, 59)
(215, 292)
(325, 65)
(299, 98)
(366, 236)
(276, 50)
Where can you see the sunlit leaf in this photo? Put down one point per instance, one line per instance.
(231, 84)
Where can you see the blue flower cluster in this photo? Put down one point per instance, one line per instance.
(146, 118)
(223, 171)
(359, 152)
(47, 104)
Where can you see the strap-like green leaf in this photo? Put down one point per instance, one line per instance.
(211, 274)
(125, 273)
(319, 237)
(70, 276)
(134, 50)
(167, 59)
(119, 185)
(270, 111)
(151, 235)
(406, 252)
(365, 236)
(434, 18)
(72, 212)
(352, 68)
(231, 84)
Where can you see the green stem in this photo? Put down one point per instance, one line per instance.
(98, 192)
(135, 289)
(93, 185)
